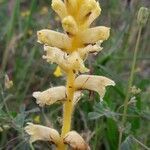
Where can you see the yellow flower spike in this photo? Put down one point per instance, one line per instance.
(53, 38)
(94, 83)
(39, 132)
(58, 72)
(75, 141)
(92, 35)
(60, 8)
(50, 96)
(70, 26)
(69, 53)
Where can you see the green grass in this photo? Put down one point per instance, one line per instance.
(21, 59)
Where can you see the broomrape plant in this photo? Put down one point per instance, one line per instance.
(69, 50)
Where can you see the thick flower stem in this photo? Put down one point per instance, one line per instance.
(68, 105)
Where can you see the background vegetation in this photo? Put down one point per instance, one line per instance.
(99, 122)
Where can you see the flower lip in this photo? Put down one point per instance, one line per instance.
(94, 83)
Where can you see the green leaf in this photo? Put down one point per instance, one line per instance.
(128, 144)
(19, 120)
(102, 109)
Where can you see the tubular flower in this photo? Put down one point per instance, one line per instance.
(55, 39)
(92, 35)
(51, 96)
(38, 132)
(69, 50)
(94, 83)
(60, 8)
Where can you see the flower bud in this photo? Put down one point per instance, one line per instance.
(70, 25)
(142, 16)
(60, 8)
(94, 14)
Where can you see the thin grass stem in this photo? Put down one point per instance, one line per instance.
(124, 117)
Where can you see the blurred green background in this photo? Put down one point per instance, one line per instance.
(98, 122)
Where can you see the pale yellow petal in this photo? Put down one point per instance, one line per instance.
(94, 83)
(77, 63)
(96, 11)
(53, 38)
(75, 141)
(60, 8)
(53, 95)
(72, 6)
(50, 96)
(86, 9)
(39, 132)
(89, 49)
(54, 55)
(66, 62)
(70, 25)
(92, 35)
(77, 96)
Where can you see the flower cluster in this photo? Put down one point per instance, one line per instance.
(69, 50)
